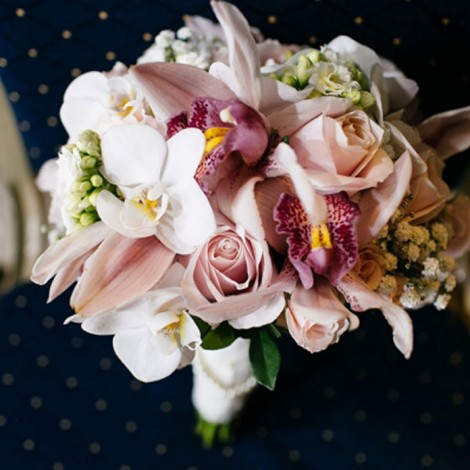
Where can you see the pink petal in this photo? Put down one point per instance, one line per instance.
(316, 318)
(236, 200)
(67, 276)
(293, 117)
(170, 88)
(243, 54)
(448, 132)
(361, 298)
(67, 250)
(292, 220)
(378, 204)
(120, 270)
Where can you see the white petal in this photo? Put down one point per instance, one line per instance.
(133, 154)
(109, 208)
(194, 223)
(109, 323)
(138, 351)
(190, 336)
(185, 150)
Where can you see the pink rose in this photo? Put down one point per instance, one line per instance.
(316, 318)
(232, 277)
(342, 153)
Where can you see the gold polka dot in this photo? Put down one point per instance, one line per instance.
(3, 62)
(43, 89)
(65, 424)
(14, 96)
(160, 449)
(75, 72)
(227, 451)
(147, 37)
(312, 39)
(294, 455)
(426, 461)
(94, 448)
(110, 55)
(359, 20)
(33, 53)
(103, 15)
(272, 19)
(20, 12)
(28, 444)
(445, 21)
(52, 121)
(66, 34)
(24, 126)
(396, 41)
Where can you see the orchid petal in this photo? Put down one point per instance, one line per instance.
(66, 276)
(138, 350)
(83, 106)
(110, 209)
(67, 250)
(243, 55)
(112, 322)
(120, 270)
(283, 162)
(378, 204)
(361, 298)
(236, 200)
(171, 88)
(292, 220)
(448, 132)
(194, 223)
(264, 315)
(133, 154)
(185, 150)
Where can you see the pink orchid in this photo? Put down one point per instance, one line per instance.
(329, 249)
(230, 127)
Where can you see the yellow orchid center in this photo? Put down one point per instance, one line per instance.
(124, 109)
(320, 236)
(153, 203)
(214, 136)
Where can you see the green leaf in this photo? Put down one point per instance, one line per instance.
(204, 327)
(264, 357)
(219, 338)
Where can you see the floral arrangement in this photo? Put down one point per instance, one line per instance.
(228, 189)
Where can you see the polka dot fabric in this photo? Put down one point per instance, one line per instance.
(66, 401)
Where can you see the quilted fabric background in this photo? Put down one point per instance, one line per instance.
(66, 402)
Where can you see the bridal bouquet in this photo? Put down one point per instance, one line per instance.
(229, 189)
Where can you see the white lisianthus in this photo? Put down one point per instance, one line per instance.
(156, 178)
(332, 79)
(153, 335)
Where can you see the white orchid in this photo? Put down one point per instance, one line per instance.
(161, 196)
(153, 335)
(98, 101)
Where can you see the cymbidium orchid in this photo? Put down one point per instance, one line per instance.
(161, 197)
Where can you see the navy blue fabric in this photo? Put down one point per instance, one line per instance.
(66, 402)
